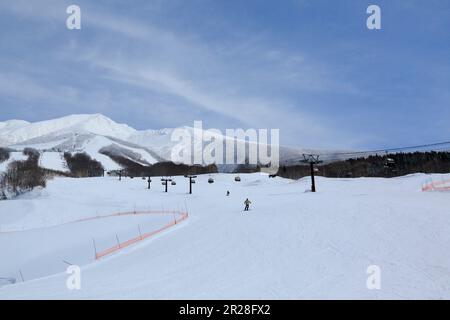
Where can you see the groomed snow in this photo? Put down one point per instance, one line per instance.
(92, 146)
(53, 160)
(292, 244)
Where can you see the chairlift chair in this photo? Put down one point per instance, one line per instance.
(390, 166)
(389, 163)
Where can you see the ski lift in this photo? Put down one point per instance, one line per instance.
(390, 166)
(237, 178)
(389, 163)
(173, 183)
(210, 180)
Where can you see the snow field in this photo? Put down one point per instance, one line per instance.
(53, 160)
(292, 243)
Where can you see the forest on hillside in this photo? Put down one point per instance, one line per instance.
(389, 165)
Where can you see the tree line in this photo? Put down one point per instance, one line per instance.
(22, 176)
(82, 165)
(389, 165)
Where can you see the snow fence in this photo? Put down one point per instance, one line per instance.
(441, 185)
(178, 216)
(81, 247)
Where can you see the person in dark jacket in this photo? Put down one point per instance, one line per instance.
(247, 204)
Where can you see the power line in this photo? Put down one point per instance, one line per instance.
(386, 150)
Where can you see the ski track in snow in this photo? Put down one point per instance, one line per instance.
(291, 244)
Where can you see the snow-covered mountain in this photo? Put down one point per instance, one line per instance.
(97, 135)
(16, 131)
(74, 133)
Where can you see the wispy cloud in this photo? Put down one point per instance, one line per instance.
(166, 62)
(209, 78)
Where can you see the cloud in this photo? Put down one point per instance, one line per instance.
(19, 86)
(241, 79)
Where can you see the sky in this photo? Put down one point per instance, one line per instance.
(309, 68)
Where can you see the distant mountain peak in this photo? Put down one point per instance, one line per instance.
(99, 124)
(91, 133)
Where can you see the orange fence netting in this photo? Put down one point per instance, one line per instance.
(178, 217)
(442, 185)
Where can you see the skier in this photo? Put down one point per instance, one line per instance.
(228, 193)
(247, 204)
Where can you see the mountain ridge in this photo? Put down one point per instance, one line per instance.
(92, 133)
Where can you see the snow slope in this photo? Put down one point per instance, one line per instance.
(83, 123)
(53, 160)
(12, 125)
(292, 244)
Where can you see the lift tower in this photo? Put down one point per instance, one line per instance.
(312, 159)
(191, 182)
(165, 182)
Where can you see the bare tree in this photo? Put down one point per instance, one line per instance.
(82, 165)
(22, 176)
(4, 154)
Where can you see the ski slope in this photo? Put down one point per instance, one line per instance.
(53, 160)
(293, 244)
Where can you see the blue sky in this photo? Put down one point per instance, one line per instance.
(310, 68)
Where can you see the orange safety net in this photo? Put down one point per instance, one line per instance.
(443, 185)
(181, 216)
